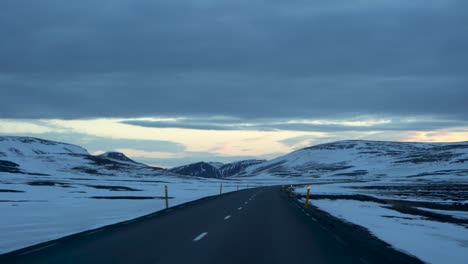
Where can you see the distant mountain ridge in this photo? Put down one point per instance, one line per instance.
(359, 159)
(199, 169)
(28, 155)
(369, 159)
(214, 170)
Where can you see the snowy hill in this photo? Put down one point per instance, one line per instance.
(34, 156)
(28, 146)
(50, 189)
(369, 159)
(199, 169)
(234, 168)
(215, 169)
(216, 164)
(120, 158)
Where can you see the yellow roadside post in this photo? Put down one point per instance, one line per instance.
(167, 198)
(306, 205)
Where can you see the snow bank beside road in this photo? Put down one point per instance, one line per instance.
(430, 241)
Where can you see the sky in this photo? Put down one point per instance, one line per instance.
(173, 82)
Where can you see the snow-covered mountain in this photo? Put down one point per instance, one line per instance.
(357, 158)
(199, 169)
(216, 164)
(215, 169)
(231, 169)
(120, 158)
(36, 156)
(28, 146)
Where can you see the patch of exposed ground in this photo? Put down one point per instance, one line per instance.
(11, 191)
(49, 183)
(113, 188)
(130, 197)
(455, 192)
(405, 207)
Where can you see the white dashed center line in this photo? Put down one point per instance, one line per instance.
(199, 237)
(313, 219)
(246, 202)
(307, 214)
(240, 208)
(227, 217)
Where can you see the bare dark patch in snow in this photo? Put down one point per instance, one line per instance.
(353, 173)
(12, 191)
(114, 188)
(130, 197)
(49, 183)
(8, 166)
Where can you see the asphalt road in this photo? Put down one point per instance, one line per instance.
(260, 225)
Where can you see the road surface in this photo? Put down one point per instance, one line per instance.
(261, 225)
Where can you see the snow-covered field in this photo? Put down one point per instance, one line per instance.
(40, 212)
(430, 241)
(408, 179)
(49, 190)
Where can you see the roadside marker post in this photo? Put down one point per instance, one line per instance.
(237, 186)
(167, 198)
(221, 189)
(306, 205)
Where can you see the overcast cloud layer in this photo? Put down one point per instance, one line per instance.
(248, 59)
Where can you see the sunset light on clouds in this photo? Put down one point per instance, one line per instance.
(225, 145)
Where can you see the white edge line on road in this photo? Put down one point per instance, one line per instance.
(95, 231)
(240, 208)
(37, 249)
(200, 236)
(130, 221)
(227, 217)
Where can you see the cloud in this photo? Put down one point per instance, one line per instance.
(368, 123)
(137, 153)
(249, 59)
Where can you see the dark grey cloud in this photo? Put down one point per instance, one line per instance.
(297, 125)
(250, 59)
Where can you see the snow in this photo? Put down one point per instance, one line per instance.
(43, 213)
(456, 214)
(432, 242)
(25, 146)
